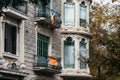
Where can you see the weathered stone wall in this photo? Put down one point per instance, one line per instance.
(56, 41)
(56, 4)
(30, 41)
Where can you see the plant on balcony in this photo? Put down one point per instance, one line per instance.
(6, 3)
(14, 3)
(41, 4)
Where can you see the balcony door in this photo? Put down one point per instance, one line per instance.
(42, 50)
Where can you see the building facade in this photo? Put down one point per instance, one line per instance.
(46, 41)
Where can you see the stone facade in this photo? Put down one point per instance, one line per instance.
(26, 49)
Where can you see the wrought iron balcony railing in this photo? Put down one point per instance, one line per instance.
(14, 8)
(43, 12)
(20, 5)
(50, 17)
(47, 65)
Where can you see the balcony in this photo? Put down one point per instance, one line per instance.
(44, 16)
(47, 65)
(15, 11)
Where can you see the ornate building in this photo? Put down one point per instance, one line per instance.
(47, 41)
(75, 39)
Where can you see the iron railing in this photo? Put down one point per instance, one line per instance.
(18, 6)
(45, 11)
(42, 61)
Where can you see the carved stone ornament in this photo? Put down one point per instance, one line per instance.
(2, 61)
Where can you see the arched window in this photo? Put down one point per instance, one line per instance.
(69, 53)
(83, 54)
(83, 14)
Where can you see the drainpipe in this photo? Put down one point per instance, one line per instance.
(26, 8)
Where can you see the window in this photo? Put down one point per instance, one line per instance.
(42, 50)
(69, 54)
(69, 14)
(10, 39)
(83, 14)
(83, 54)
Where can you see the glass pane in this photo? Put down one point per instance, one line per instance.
(69, 57)
(69, 54)
(83, 65)
(83, 54)
(83, 51)
(83, 12)
(42, 52)
(69, 14)
(10, 39)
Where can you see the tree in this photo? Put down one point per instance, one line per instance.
(43, 2)
(105, 42)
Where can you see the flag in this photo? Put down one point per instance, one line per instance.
(53, 15)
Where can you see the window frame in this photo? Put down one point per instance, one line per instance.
(66, 3)
(83, 64)
(14, 36)
(43, 42)
(69, 43)
(84, 21)
(40, 51)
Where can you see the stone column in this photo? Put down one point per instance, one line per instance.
(77, 55)
(21, 52)
(1, 36)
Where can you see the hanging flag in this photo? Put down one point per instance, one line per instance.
(53, 15)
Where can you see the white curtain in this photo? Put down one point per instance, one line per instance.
(83, 12)
(69, 56)
(69, 14)
(83, 55)
(83, 51)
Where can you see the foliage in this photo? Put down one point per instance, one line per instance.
(105, 42)
(5, 3)
(14, 3)
(43, 2)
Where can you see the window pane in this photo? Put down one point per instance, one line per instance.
(83, 65)
(83, 54)
(69, 54)
(42, 50)
(83, 16)
(83, 12)
(69, 14)
(10, 39)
